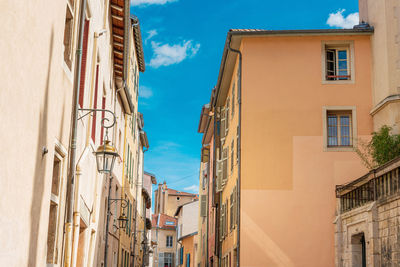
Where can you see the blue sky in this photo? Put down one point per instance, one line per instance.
(183, 44)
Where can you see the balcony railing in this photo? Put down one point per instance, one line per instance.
(378, 184)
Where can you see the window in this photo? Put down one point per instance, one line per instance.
(337, 64)
(166, 259)
(68, 33)
(83, 67)
(339, 128)
(103, 113)
(338, 61)
(169, 241)
(52, 231)
(94, 118)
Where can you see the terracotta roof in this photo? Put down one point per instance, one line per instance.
(164, 221)
(311, 31)
(138, 43)
(179, 193)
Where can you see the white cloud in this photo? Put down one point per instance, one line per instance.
(150, 2)
(145, 92)
(193, 188)
(150, 35)
(165, 54)
(338, 20)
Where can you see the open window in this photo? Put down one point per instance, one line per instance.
(68, 33)
(337, 62)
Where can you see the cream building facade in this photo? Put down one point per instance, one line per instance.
(40, 76)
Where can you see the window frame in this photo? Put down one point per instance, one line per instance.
(169, 244)
(338, 44)
(351, 110)
(60, 154)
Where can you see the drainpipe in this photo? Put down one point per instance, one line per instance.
(137, 190)
(207, 207)
(240, 148)
(123, 180)
(72, 145)
(77, 215)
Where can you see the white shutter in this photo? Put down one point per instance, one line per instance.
(219, 176)
(227, 109)
(221, 222)
(224, 165)
(203, 208)
(223, 125)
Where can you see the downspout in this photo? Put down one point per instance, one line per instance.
(216, 233)
(137, 204)
(208, 210)
(240, 147)
(123, 181)
(73, 137)
(77, 215)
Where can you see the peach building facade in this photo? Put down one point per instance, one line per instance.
(287, 125)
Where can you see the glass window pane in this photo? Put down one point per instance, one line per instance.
(345, 141)
(342, 64)
(342, 54)
(345, 120)
(332, 120)
(332, 141)
(330, 54)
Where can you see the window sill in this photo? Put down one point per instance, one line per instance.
(339, 149)
(338, 82)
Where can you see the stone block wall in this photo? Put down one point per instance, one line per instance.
(379, 223)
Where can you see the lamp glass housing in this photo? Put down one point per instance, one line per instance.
(105, 157)
(122, 221)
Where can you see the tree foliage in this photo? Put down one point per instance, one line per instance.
(383, 147)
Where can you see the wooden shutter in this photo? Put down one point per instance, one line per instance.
(227, 109)
(224, 165)
(233, 100)
(223, 124)
(203, 208)
(232, 154)
(221, 215)
(237, 144)
(83, 65)
(205, 154)
(218, 180)
(103, 106)
(94, 119)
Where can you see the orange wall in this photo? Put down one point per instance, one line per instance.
(188, 248)
(288, 181)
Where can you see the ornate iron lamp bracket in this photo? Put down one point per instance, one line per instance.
(104, 120)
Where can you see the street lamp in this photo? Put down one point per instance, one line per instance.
(105, 153)
(105, 157)
(122, 220)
